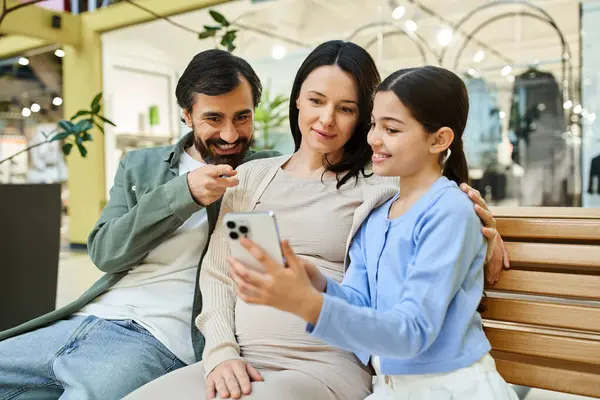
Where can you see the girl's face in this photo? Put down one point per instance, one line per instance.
(401, 146)
(327, 109)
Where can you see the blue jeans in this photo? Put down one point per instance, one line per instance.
(82, 358)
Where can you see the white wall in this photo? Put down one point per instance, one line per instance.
(136, 75)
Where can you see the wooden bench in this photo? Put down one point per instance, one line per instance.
(543, 316)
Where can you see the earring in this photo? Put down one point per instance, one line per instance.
(447, 156)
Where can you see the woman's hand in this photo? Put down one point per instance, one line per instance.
(497, 256)
(231, 379)
(289, 289)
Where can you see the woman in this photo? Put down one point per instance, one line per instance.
(321, 194)
(408, 302)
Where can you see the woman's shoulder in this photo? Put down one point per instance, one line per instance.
(259, 167)
(379, 188)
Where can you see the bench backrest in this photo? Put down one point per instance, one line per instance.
(543, 316)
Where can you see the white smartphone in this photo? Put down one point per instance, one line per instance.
(258, 226)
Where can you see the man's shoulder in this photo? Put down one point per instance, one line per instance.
(148, 156)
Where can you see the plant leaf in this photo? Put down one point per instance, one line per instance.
(212, 28)
(82, 149)
(84, 125)
(80, 113)
(67, 148)
(86, 137)
(99, 127)
(60, 136)
(108, 121)
(279, 100)
(206, 34)
(96, 102)
(279, 121)
(217, 16)
(67, 126)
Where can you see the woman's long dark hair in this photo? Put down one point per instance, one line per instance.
(355, 60)
(436, 98)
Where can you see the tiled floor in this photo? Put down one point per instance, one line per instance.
(77, 273)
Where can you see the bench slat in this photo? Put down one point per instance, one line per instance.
(546, 212)
(546, 228)
(544, 345)
(560, 376)
(549, 284)
(543, 314)
(561, 255)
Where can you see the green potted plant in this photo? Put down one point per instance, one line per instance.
(269, 116)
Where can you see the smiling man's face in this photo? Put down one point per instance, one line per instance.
(223, 125)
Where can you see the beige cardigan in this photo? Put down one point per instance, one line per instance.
(216, 321)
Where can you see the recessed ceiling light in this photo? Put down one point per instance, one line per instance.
(278, 52)
(398, 12)
(444, 36)
(410, 25)
(479, 56)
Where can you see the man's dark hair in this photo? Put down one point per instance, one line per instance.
(213, 73)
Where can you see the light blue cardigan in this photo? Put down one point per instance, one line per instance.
(412, 289)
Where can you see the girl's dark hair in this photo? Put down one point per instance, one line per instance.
(436, 98)
(355, 60)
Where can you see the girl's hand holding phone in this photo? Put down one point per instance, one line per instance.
(295, 289)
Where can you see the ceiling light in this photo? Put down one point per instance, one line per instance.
(26, 112)
(35, 107)
(410, 25)
(59, 53)
(444, 37)
(577, 109)
(398, 12)
(278, 52)
(568, 104)
(479, 56)
(506, 70)
(23, 61)
(502, 114)
(472, 72)
(57, 101)
(510, 78)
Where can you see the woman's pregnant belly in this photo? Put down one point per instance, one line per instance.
(272, 338)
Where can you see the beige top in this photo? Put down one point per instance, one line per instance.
(316, 218)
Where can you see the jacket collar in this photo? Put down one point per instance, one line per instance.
(173, 153)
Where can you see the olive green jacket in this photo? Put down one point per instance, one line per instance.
(148, 201)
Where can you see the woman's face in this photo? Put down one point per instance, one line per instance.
(327, 109)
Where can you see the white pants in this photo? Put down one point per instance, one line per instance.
(480, 381)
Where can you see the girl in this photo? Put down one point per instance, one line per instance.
(408, 302)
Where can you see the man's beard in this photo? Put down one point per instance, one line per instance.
(210, 156)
